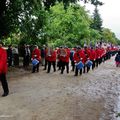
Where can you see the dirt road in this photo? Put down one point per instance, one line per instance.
(42, 96)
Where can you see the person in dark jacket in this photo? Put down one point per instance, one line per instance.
(26, 56)
(117, 59)
(43, 55)
(72, 52)
(9, 55)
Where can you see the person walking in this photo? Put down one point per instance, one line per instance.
(3, 70)
(64, 56)
(86, 58)
(78, 58)
(51, 59)
(36, 55)
(93, 57)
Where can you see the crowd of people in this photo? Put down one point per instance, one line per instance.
(79, 60)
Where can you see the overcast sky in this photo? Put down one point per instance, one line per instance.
(110, 13)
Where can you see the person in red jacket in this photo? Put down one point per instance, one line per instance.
(3, 70)
(78, 56)
(101, 55)
(36, 54)
(87, 57)
(92, 57)
(51, 59)
(97, 50)
(64, 57)
(58, 58)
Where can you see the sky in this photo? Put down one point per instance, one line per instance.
(110, 14)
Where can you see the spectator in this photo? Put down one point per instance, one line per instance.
(26, 56)
(117, 59)
(15, 56)
(9, 55)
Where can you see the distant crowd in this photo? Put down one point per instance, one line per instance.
(80, 59)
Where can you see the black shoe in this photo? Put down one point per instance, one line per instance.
(80, 73)
(75, 75)
(4, 94)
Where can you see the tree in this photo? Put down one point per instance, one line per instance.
(14, 12)
(96, 2)
(97, 21)
(71, 26)
(50, 3)
(9, 11)
(109, 36)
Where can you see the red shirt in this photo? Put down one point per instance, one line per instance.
(87, 54)
(97, 53)
(36, 54)
(92, 54)
(66, 57)
(52, 58)
(3, 60)
(79, 55)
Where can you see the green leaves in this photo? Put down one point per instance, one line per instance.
(109, 36)
(69, 25)
(56, 22)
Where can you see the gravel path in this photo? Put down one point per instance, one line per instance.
(42, 96)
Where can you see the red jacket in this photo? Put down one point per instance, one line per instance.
(36, 54)
(66, 57)
(92, 54)
(103, 52)
(52, 58)
(97, 53)
(76, 57)
(3, 60)
(87, 55)
(79, 56)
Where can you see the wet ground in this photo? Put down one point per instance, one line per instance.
(41, 96)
